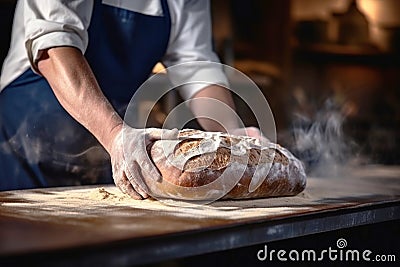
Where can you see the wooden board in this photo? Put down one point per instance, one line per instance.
(51, 219)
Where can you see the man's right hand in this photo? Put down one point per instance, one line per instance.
(130, 161)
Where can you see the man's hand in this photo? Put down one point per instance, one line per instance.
(130, 161)
(251, 132)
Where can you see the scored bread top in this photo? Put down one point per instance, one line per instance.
(222, 156)
(215, 151)
(199, 158)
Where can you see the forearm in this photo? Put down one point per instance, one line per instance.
(77, 90)
(214, 109)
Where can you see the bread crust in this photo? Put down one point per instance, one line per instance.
(200, 158)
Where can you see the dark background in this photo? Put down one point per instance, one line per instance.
(311, 51)
(345, 51)
(309, 58)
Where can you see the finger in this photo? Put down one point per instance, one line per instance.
(132, 193)
(253, 132)
(165, 134)
(138, 190)
(148, 170)
(170, 134)
(126, 187)
(136, 179)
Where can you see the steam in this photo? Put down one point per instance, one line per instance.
(319, 140)
(54, 145)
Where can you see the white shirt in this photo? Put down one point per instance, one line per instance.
(40, 24)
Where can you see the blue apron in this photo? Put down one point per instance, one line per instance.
(41, 145)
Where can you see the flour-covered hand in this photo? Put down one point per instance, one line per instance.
(131, 164)
(250, 132)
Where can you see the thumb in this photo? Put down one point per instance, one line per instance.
(166, 134)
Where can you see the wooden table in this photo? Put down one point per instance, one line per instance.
(99, 225)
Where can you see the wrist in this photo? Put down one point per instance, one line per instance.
(114, 130)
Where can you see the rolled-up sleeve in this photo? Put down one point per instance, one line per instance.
(191, 41)
(54, 23)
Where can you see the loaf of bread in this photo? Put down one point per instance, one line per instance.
(202, 165)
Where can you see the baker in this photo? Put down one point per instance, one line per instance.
(70, 73)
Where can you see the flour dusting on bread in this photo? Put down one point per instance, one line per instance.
(200, 158)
